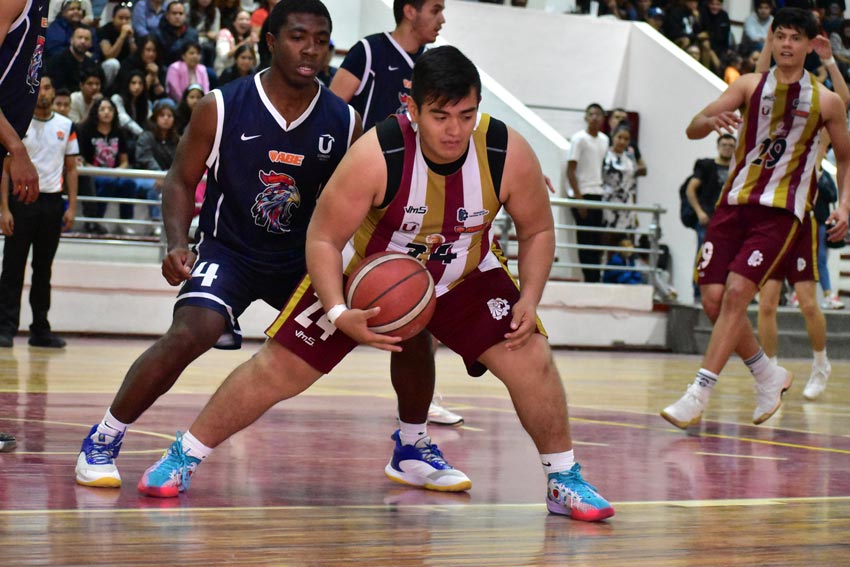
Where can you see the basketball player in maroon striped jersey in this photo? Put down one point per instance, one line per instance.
(770, 188)
(431, 191)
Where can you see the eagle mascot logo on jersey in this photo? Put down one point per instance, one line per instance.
(276, 204)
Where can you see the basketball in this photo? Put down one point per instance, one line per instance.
(400, 286)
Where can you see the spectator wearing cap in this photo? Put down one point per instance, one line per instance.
(655, 18)
(146, 16)
(187, 71)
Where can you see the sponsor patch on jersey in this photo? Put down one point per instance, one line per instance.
(463, 214)
(285, 157)
(470, 229)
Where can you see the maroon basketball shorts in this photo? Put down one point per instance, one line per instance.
(750, 240)
(469, 319)
(801, 263)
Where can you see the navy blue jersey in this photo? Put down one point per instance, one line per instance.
(264, 174)
(21, 61)
(384, 69)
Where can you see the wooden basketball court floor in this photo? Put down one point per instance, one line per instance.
(305, 484)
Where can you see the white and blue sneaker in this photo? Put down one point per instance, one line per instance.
(423, 465)
(570, 495)
(96, 461)
(170, 475)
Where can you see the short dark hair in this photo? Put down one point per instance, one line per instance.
(63, 92)
(725, 136)
(796, 19)
(279, 14)
(593, 105)
(443, 75)
(398, 8)
(89, 71)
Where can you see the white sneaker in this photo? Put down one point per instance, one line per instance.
(687, 411)
(438, 415)
(769, 394)
(832, 302)
(817, 381)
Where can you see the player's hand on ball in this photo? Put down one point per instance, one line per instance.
(354, 323)
(177, 265)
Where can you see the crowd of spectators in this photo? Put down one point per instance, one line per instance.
(129, 73)
(703, 29)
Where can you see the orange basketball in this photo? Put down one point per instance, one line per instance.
(398, 284)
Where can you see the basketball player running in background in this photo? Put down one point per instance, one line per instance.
(268, 143)
(480, 313)
(801, 265)
(375, 78)
(22, 32)
(762, 205)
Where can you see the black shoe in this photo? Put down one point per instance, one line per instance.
(95, 228)
(7, 442)
(47, 340)
(6, 341)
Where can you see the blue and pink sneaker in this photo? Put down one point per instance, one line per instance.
(170, 475)
(570, 495)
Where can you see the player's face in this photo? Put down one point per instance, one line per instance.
(790, 47)
(444, 130)
(429, 20)
(300, 48)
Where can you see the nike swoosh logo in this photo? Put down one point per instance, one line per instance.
(547, 464)
(246, 138)
(391, 68)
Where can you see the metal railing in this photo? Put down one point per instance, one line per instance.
(652, 231)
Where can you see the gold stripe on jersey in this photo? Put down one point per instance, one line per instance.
(789, 240)
(289, 307)
(429, 225)
(758, 173)
(814, 257)
(802, 156)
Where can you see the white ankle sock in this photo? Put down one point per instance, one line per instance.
(760, 366)
(775, 360)
(705, 379)
(194, 448)
(410, 433)
(111, 426)
(557, 462)
(820, 358)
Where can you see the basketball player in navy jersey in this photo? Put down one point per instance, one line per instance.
(375, 79)
(268, 144)
(376, 200)
(22, 28)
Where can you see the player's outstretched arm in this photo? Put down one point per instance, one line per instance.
(722, 116)
(835, 121)
(178, 189)
(357, 185)
(524, 195)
